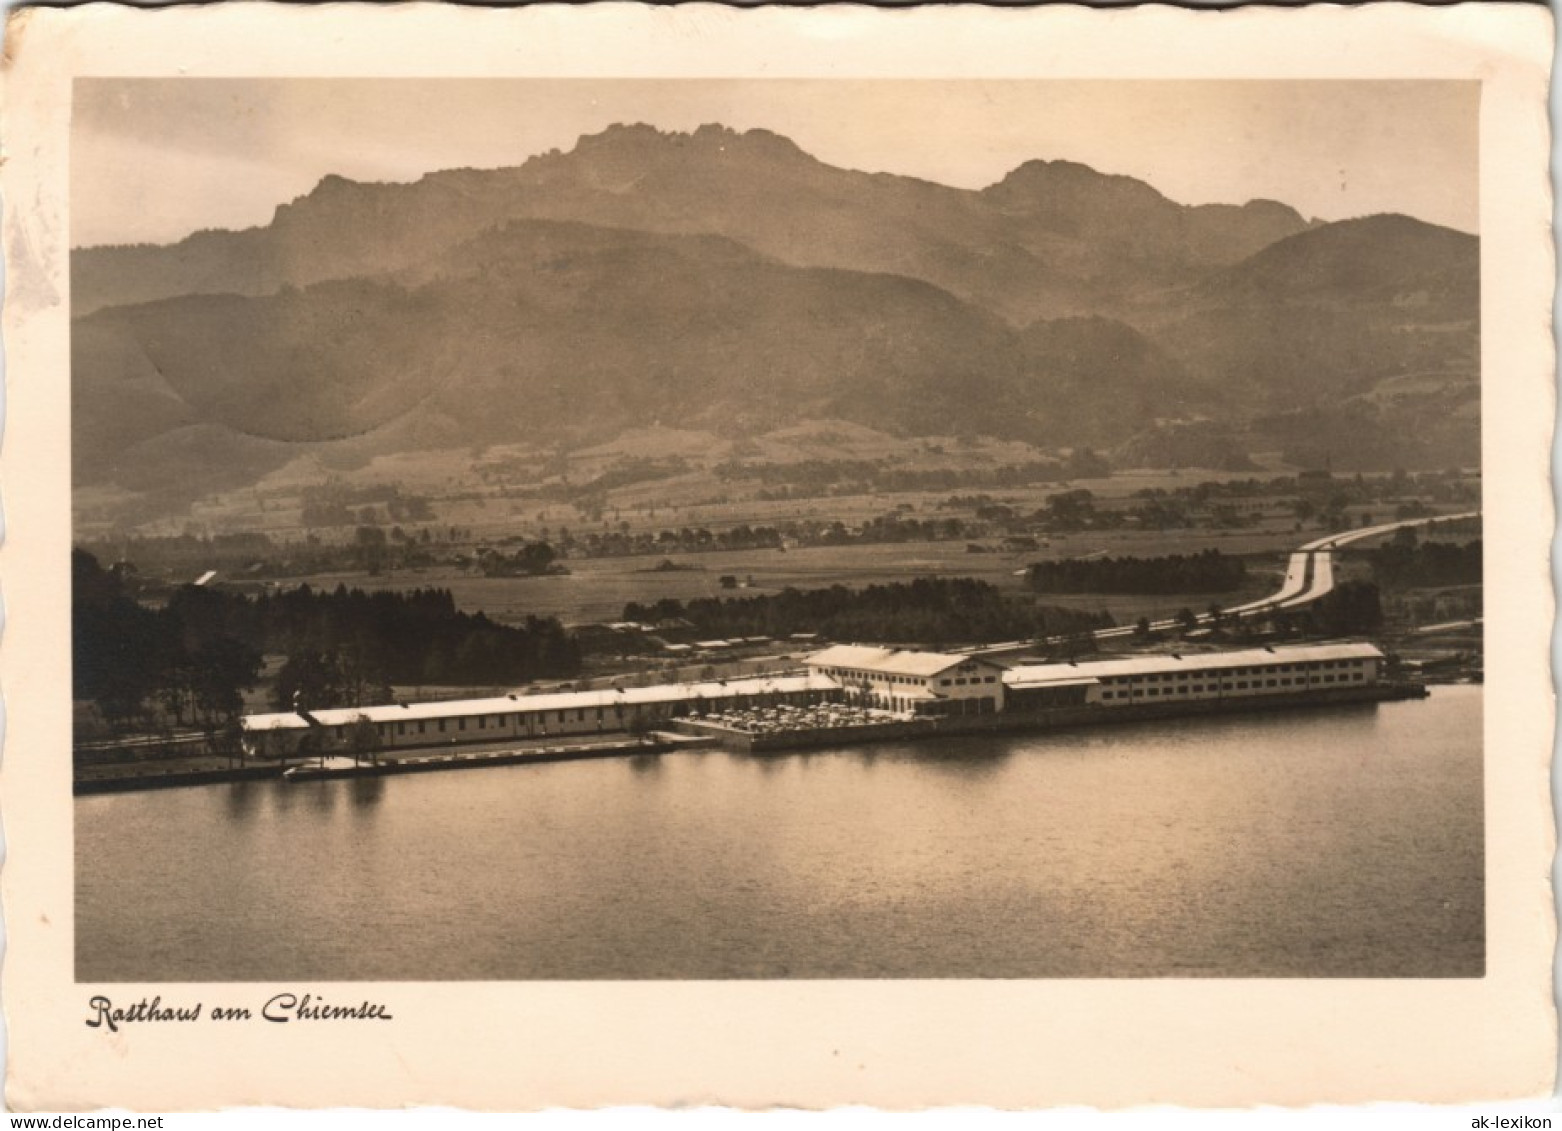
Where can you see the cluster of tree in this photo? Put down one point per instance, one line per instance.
(1406, 563)
(1208, 572)
(1067, 511)
(1219, 506)
(533, 559)
(374, 551)
(1352, 609)
(311, 680)
(191, 553)
(336, 504)
(623, 473)
(133, 661)
(929, 612)
(1434, 607)
(343, 648)
(892, 527)
(970, 502)
(996, 512)
(1075, 510)
(255, 555)
(372, 548)
(1155, 510)
(1324, 490)
(416, 636)
(814, 477)
(687, 540)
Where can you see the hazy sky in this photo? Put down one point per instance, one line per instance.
(155, 159)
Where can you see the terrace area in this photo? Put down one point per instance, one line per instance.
(785, 719)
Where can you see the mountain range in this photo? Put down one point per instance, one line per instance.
(730, 281)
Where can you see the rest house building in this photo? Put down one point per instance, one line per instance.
(913, 683)
(910, 684)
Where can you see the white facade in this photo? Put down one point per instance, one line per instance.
(911, 683)
(922, 683)
(401, 725)
(1180, 678)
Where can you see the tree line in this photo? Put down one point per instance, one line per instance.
(1353, 608)
(928, 612)
(192, 659)
(815, 477)
(135, 663)
(1208, 572)
(1406, 564)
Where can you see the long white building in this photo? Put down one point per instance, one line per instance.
(452, 721)
(908, 683)
(1194, 676)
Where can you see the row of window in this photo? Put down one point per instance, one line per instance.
(986, 705)
(440, 726)
(1271, 669)
(1240, 685)
(907, 680)
(482, 722)
(847, 673)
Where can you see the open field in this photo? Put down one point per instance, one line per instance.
(597, 589)
(694, 500)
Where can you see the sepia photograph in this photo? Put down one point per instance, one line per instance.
(762, 529)
(578, 556)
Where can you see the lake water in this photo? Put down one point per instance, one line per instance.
(1341, 841)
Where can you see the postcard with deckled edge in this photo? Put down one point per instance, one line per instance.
(588, 556)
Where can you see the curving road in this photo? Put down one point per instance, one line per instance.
(1321, 553)
(1309, 575)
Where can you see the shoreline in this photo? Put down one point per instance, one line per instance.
(687, 734)
(438, 760)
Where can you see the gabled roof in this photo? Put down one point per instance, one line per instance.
(890, 661)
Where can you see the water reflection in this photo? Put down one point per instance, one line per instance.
(1314, 844)
(321, 795)
(241, 798)
(283, 795)
(365, 792)
(945, 755)
(771, 762)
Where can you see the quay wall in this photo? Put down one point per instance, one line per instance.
(1053, 718)
(478, 759)
(1096, 715)
(427, 761)
(687, 733)
(744, 740)
(149, 778)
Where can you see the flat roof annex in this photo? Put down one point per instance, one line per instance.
(280, 720)
(1033, 675)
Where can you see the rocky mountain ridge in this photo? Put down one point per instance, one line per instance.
(731, 281)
